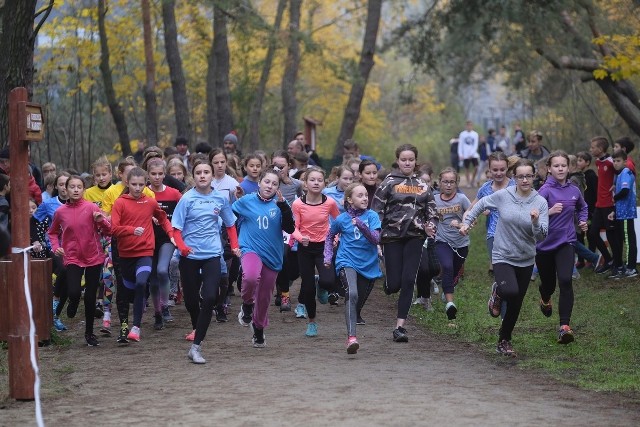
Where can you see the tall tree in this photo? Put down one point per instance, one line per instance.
(290, 77)
(151, 104)
(352, 111)
(105, 69)
(253, 135)
(178, 83)
(17, 40)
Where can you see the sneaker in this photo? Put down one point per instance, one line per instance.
(244, 319)
(195, 354)
(171, 302)
(385, 287)
(221, 316)
(352, 345)
(534, 274)
(312, 329)
(190, 336)
(505, 348)
(99, 310)
(278, 300)
(576, 274)
(495, 302)
(134, 335)
(617, 273)
(333, 298)
(258, 337)
(166, 314)
(604, 268)
(565, 335)
(124, 333)
(285, 304)
(436, 286)
(427, 304)
(301, 311)
(400, 334)
(322, 294)
(443, 297)
(91, 340)
(546, 308)
(631, 272)
(451, 310)
(419, 301)
(158, 325)
(57, 323)
(106, 327)
(360, 321)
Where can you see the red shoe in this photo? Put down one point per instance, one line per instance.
(352, 345)
(190, 336)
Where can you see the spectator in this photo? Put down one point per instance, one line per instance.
(230, 144)
(503, 143)
(535, 150)
(351, 150)
(182, 145)
(468, 152)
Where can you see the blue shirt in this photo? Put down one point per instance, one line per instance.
(196, 215)
(260, 229)
(494, 216)
(336, 194)
(355, 251)
(626, 207)
(249, 186)
(47, 209)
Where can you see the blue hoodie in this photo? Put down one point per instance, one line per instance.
(562, 225)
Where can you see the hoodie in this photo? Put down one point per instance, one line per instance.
(561, 225)
(404, 204)
(516, 236)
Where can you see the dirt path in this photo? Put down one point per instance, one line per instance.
(301, 381)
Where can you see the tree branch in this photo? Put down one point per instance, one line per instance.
(591, 13)
(47, 11)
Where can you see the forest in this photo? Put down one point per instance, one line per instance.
(110, 73)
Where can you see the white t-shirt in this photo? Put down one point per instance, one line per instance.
(468, 145)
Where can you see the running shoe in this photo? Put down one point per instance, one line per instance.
(565, 335)
(495, 302)
(166, 314)
(245, 318)
(171, 302)
(427, 304)
(57, 323)
(124, 333)
(258, 337)
(91, 340)
(546, 308)
(631, 272)
(575, 275)
(419, 301)
(312, 329)
(352, 345)
(618, 273)
(534, 274)
(99, 310)
(301, 311)
(322, 294)
(278, 300)
(360, 321)
(604, 268)
(436, 286)
(195, 354)
(400, 334)
(333, 298)
(221, 316)
(451, 310)
(505, 348)
(285, 304)
(190, 336)
(134, 334)
(158, 324)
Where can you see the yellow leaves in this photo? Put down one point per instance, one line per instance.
(624, 60)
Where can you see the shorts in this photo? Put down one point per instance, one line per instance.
(473, 161)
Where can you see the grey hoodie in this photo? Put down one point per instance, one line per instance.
(516, 236)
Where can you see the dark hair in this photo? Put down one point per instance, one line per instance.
(524, 162)
(203, 147)
(350, 144)
(449, 169)
(55, 183)
(557, 153)
(498, 156)
(215, 152)
(584, 156)
(268, 170)
(4, 180)
(251, 156)
(201, 161)
(149, 154)
(282, 154)
(406, 147)
(181, 140)
(79, 178)
(363, 164)
(136, 172)
(619, 154)
(626, 143)
(601, 142)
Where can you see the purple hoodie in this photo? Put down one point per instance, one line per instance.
(562, 225)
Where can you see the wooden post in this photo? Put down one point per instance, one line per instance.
(310, 131)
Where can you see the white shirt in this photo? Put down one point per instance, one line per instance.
(468, 145)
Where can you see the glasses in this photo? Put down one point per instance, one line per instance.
(447, 182)
(523, 177)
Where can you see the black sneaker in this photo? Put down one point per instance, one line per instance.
(221, 316)
(565, 335)
(72, 309)
(278, 300)
(400, 334)
(604, 268)
(99, 311)
(546, 308)
(245, 315)
(360, 321)
(385, 288)
(451, 310)
(91, 340)
(122, 338)
(258, 337)
(158, 325)
(333, 298)
(505, 348)
(618, 273)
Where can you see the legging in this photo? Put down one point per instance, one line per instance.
(401, 261)
(598, 222)
(429, 268)
(160, 275)
(558, 262)
(91, 282)
(283, 280)
(513, 283)
(310, 258)
(451, 262)
(200, 279)
(355, 286)
(60, 288)
(632, 244)
(258, 282)
(135, 274)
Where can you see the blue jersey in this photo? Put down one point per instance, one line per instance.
(249, 186)
(336, 194)
(626, 207)
(196, 215)
(260, 229)
(494, 216)
(46, 210)
(355, 251)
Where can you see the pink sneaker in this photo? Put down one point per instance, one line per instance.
(190, 336)
(352, 345)
(134, 335)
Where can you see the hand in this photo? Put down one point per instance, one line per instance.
(173, 242)
(37, 247)
(59, 251)
(138, 231)
(279, 196)
(305, 241)
(155, 220)
(464, 229)
(534, 215)
(611, 216)
(556, 209)
(237, 252)
(98, 216)
(379, 251)
(353, 221)
(584, 226)
(186, 251)
(239, 192)
(327, 264)
(455, 223)
(430, 229)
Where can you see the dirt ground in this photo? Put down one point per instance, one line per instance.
(301, 381)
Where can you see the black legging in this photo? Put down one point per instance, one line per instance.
(599, 222)
(60, 288)
(513, 283)
(91, 282)
(200, 279)
(401, 261)
(632, 244)
(557, 263)
(311, 258)
(429, 268)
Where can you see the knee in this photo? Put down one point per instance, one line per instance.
(507, 292)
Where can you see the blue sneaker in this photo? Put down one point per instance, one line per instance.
(59, 325)
(301, 311)
(312, 329)
(322, 294)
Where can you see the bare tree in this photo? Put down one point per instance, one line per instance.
(290, 77)
(151, 104)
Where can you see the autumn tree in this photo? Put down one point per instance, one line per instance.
(151, 104)
(290, 75)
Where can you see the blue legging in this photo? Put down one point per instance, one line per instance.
(451, 262)
(135, 274)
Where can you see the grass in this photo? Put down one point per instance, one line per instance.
(605, 319)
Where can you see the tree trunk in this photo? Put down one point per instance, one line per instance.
(222, 65)
(16, 61)
(110, 93)
(178, 83)
(625, 107)
(256, 107)
(212, 103)
(290, 77)
(151, 104)
(352, 111)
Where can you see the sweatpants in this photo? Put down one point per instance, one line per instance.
(557, 263)
(355, 285)
(310, 258)
(135, 274)
(91, 282)
(451, 262)
(401, 261)
(513, 283)
(599, 222)
(258, 283)
(200, 280)
(632, 244)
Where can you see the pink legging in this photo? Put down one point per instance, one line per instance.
(258, 283)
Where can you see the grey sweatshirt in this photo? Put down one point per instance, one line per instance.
(516, 236)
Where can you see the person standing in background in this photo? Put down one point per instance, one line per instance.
(468, 152)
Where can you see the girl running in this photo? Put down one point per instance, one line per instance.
(312, 212)
(406, 208)
(555, 255)
(369, 178)
(262, 220)
(344, 179)
(195, 224)
(133, 227)
(253, 167)
(524, 218)
(357, 258)
(75, 235)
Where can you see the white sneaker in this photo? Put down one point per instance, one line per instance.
(427, 304)
(419, 301)
(195, 354)
(436, 289)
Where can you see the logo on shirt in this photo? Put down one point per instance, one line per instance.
(272, 213)
(216, 210)
(410, 189)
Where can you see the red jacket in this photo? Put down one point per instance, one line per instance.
(128, 214)
(73, 224)
(34, 191)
